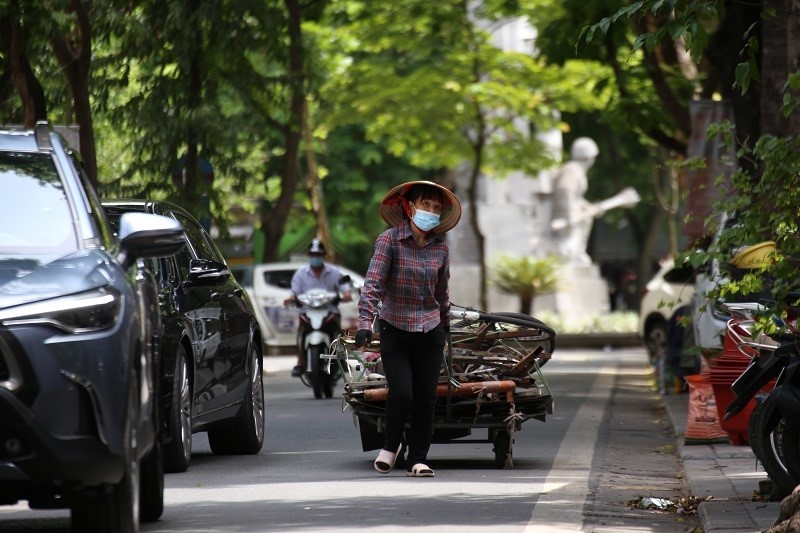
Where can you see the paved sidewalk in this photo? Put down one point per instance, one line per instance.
(728, 474)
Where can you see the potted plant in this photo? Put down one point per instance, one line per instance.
(527, 277)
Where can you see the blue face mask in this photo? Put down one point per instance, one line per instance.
(425, 220)
(315, 261)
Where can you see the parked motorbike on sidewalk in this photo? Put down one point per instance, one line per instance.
(319, 327)
(776, 362)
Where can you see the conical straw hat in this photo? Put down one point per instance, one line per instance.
(393, 212)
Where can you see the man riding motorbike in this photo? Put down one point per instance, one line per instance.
(317, 275)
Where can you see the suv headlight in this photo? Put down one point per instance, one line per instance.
(85, 312)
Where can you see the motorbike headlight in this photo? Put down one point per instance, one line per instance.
(85, 312)
(314, 299)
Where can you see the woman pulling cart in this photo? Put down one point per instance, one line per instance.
(408, 276)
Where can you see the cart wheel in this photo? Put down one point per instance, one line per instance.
(370, 438)
(502, 448)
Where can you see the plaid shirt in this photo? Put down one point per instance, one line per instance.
(411, 282)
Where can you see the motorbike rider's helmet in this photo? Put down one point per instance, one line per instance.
(316, 247)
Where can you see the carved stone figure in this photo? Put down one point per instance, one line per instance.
(573, 215)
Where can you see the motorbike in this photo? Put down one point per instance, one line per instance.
(317, 324)
(777, 360)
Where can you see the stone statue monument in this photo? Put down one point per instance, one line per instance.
(583, 292)
(573, 215)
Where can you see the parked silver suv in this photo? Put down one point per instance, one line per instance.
(79, 326)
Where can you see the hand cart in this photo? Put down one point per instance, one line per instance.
(491, 379)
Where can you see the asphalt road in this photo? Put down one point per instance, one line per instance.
(311, 474)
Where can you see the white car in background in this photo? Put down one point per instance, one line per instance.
(244, 275)
(270, 287)
(671, 287)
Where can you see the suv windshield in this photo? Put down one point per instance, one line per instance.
(36, 222)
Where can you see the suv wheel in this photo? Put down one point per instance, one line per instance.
(119, 511)
(151, 489)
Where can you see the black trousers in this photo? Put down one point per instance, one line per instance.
(412, 362)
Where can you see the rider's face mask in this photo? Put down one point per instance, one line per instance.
(315, 261)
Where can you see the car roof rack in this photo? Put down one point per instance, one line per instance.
(42, 134)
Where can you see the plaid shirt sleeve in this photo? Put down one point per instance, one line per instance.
(375, 281)
(442, 293)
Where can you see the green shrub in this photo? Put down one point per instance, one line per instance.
(616, 322)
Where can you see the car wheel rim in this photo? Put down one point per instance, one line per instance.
(258, 396)
(186, 410)
(656, 338)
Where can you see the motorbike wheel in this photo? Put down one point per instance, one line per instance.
(329, 382)
(772, 450)
(790, 444)
(331, 378)
(317, 374)
(753, 424)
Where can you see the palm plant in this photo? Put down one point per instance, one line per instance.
(526, 277)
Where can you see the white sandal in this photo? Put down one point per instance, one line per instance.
(386, 459)
(420, 470)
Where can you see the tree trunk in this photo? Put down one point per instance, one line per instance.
(191, 185)
(780, 46)
(720, 58)
(478, 145)
(315, 188)
(19, 74)
(74, 53)
(526, 304)
(473, 211)
(274, 216)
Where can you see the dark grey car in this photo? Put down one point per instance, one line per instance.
(78, 328)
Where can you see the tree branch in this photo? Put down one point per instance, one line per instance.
(664, 54)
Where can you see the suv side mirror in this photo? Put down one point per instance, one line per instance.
(146, 236)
